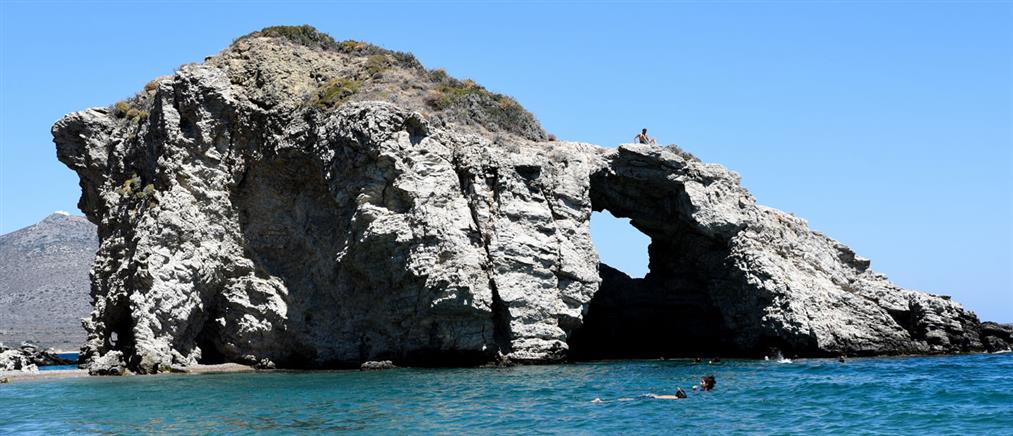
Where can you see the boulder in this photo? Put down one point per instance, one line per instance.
(376, 366)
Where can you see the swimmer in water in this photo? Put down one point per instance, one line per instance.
(679, 394)
(707, 382)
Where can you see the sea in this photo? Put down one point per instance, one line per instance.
(965, 394)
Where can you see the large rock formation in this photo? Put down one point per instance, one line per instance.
(241, 220)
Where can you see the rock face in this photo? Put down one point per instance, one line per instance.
(240, 221)
(44, 286)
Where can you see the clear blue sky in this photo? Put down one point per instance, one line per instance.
(888, 125)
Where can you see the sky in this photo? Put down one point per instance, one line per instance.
(887, 125)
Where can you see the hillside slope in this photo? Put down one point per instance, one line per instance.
(44, 287)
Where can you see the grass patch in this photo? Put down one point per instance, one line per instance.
(335, 92)
(452, 94)
(304, 35)
(309, 36)
(377, 63)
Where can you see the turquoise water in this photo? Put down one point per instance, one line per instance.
(68, 356)
(913, 395)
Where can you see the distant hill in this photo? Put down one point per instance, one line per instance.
(44, 289)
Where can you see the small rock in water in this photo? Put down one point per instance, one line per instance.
(374, 365)
(109, 364)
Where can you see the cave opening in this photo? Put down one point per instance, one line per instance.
(669, 311)
(207, 341)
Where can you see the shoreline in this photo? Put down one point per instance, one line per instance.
(61, 374)
(228, 368)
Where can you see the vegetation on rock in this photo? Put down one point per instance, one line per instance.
(375, 73)
(335, 92)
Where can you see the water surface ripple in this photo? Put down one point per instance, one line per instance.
(909, 395)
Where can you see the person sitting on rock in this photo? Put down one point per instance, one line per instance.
(642, 138)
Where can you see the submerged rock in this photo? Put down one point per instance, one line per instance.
(242, 221)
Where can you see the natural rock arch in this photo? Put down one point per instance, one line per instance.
(669, 312)
(426, 241)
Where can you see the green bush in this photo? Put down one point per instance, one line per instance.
(351, 46)
(438, 75)
(121, 108)
(137, 114)
(453, 93)
(335, 92)
(407, 60)
(377, 64)
(150, 86)
(129, 185)
(309, 36)
(127, 109)
(303, 35)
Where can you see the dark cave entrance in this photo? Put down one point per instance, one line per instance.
(669, 312)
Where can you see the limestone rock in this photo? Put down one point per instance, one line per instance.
(28, 357)
(376, 366)
(15, 360)
(110, 363)
(241, 222)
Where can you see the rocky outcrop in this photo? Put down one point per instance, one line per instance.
(242, 222)
(997, 337)
(28, 358)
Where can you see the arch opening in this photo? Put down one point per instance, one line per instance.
(619, 244)
(670, 311)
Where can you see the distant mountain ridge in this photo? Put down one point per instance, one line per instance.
(44, 286)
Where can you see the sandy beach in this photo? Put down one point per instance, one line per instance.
(19, 376)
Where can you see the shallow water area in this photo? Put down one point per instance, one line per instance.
(910, 395)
